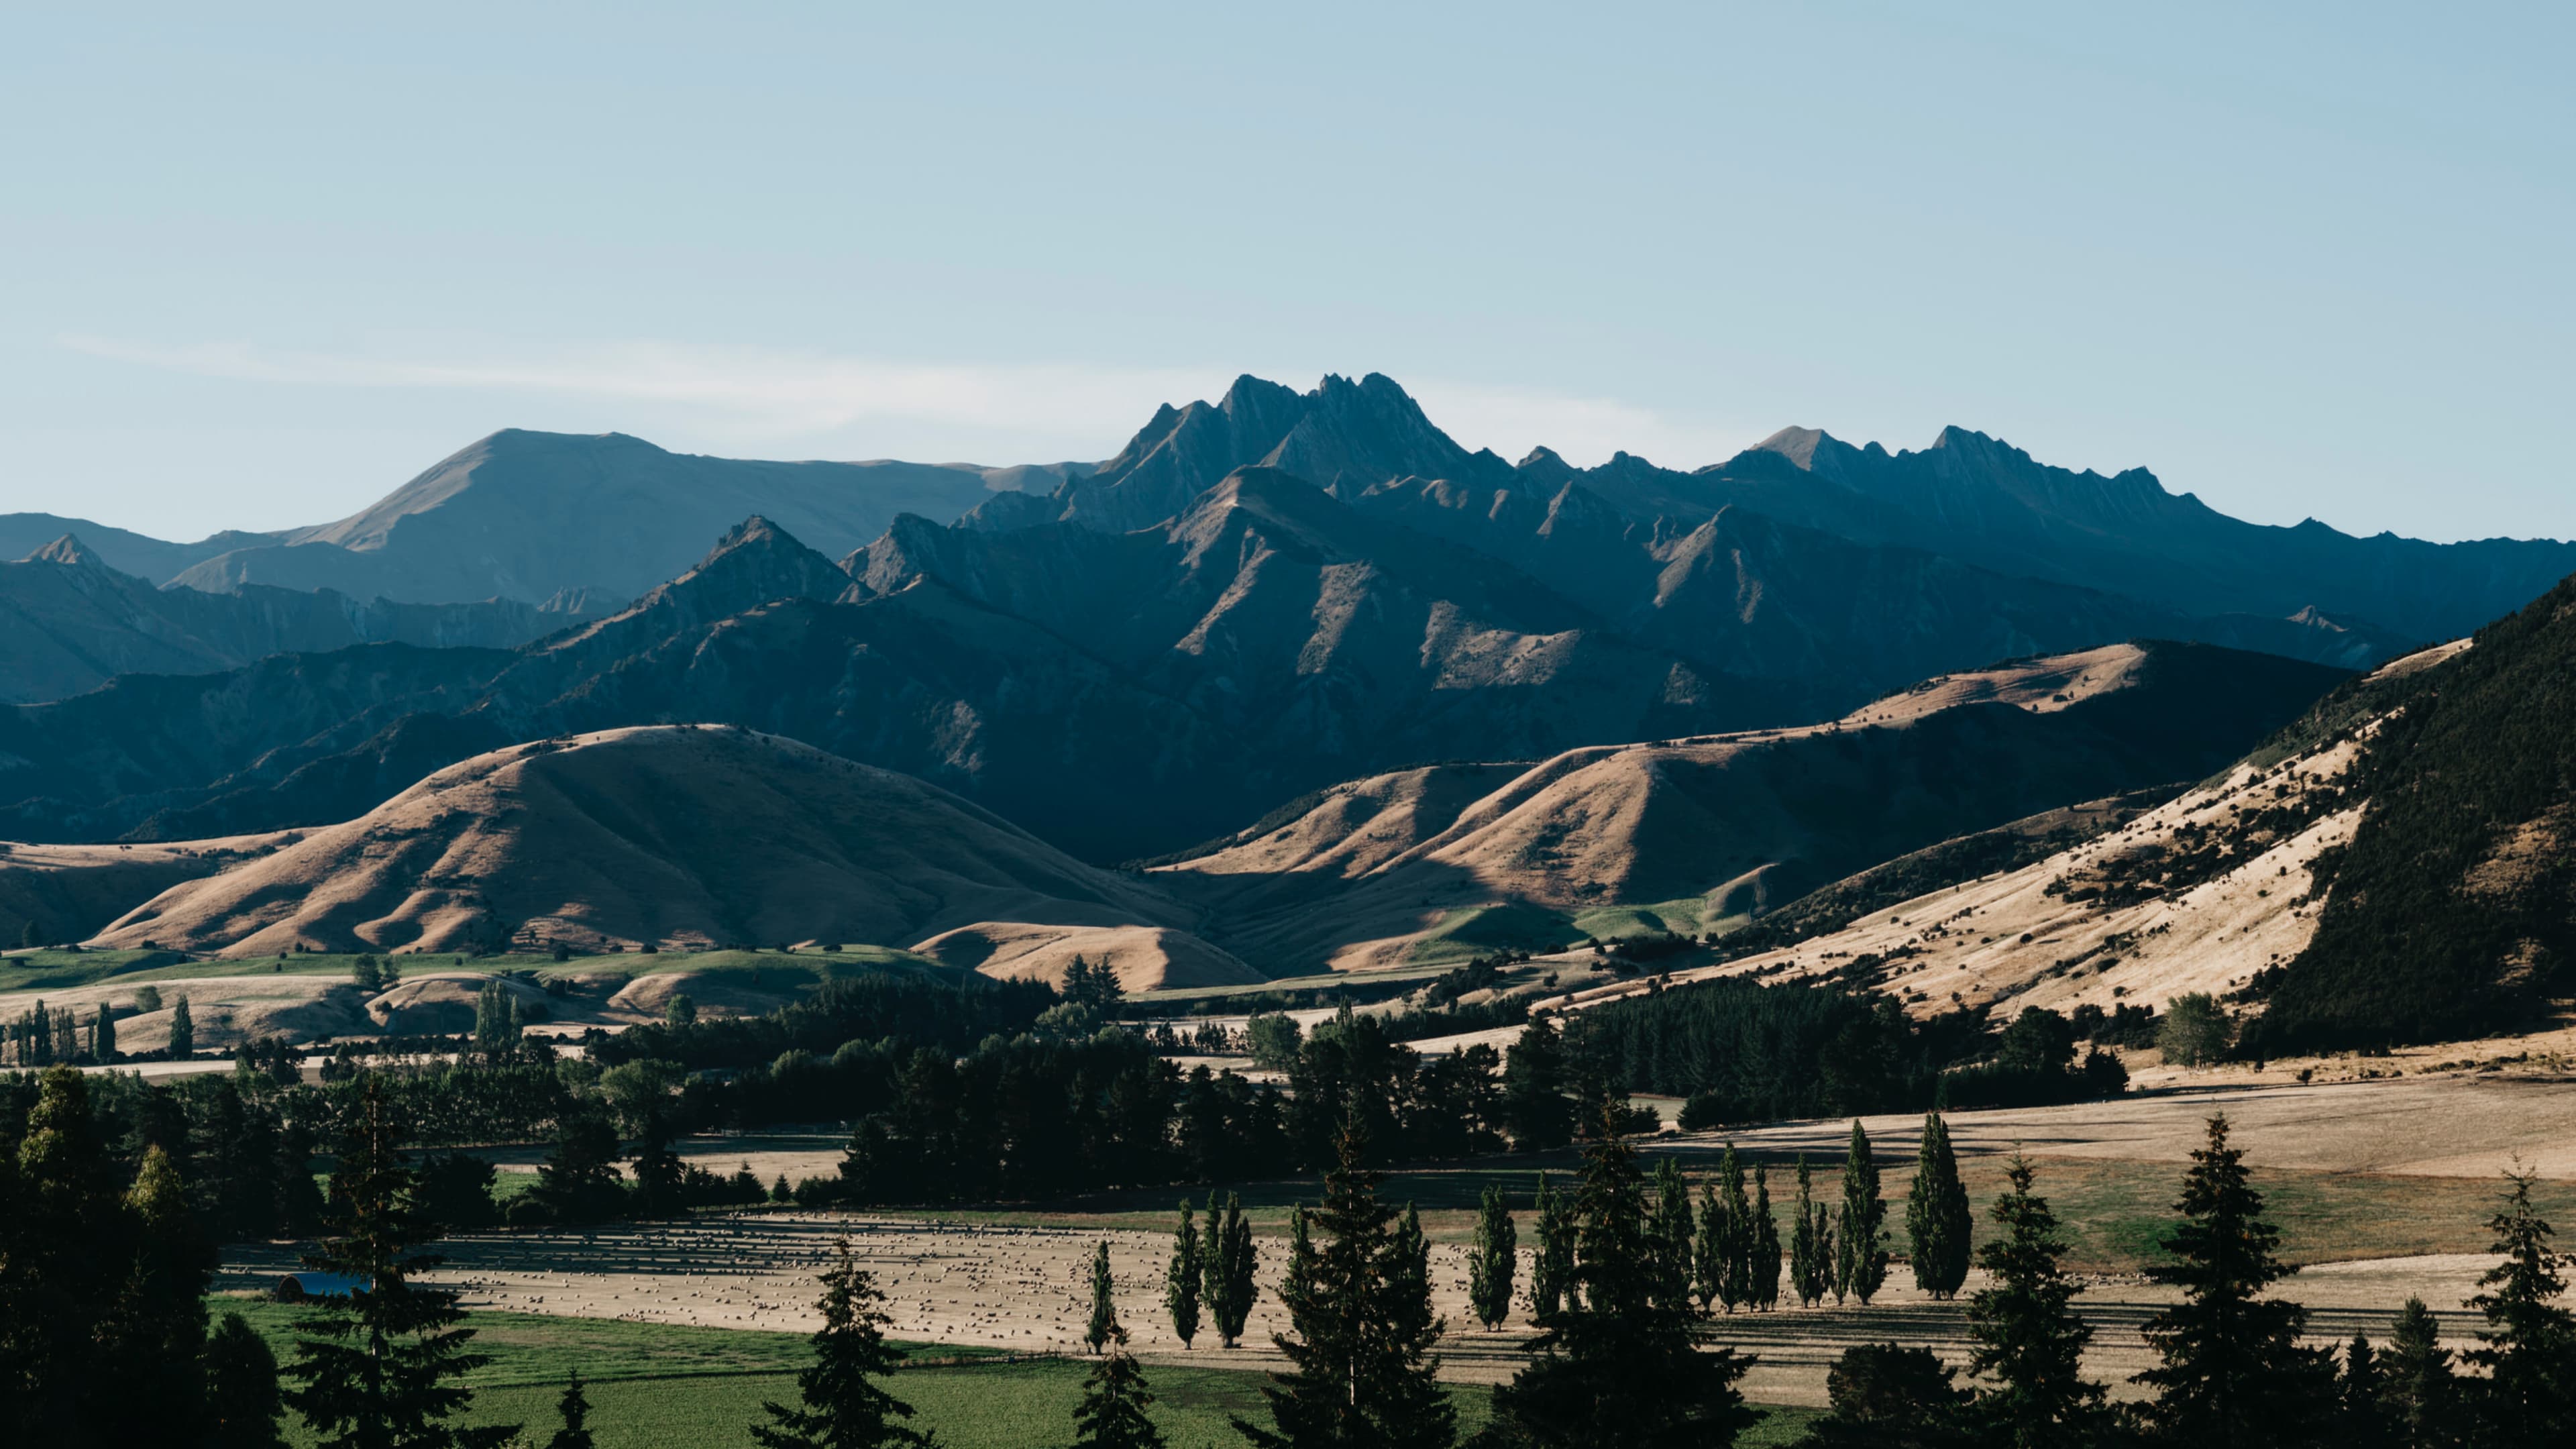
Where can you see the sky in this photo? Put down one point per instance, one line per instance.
(2301, 260)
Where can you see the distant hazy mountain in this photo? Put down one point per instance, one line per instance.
(22, 534)
(523, 515)
(69, 623)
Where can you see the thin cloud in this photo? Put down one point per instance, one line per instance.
(775, 395)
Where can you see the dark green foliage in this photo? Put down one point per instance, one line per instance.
(2233, 1371)
(2448, 913)
(1709, 1253)
(2419, 1397)
(1495, 1261)
(1409, 1108)
(1104, 1305)
(2359, 1422)
(2528, 1347)
(102, 1037)
(1762, 1250)
(1114, 1399)
(1937, 1221)
(1536, 1087)
(1360, 1366)
(1552, 1285)
(951, 1015)
(1230, 1264)
(1184, 1279)
(1273, 1040)
(1811, 1243)
(1886, 1397)
(496, 1020)
(2029, 1341)
(1623, 1370)
(572, 1412)
(1093, 986)
(1860, 1250)
(661, 1179)
(1672, 1236)
(841, 1405)
(376, 1369)
(2194, 1031)
(183, 1030)
(1734, 1221)
(579, 1182)
(242, 1403)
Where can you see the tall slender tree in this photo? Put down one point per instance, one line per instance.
(2528, 1347)
(376, 1368)
(1624, 1370)
(1231, 1264)
(1495, 1261)
(2359, 1422)
(1114, 1395)
(1104, 1307)
(1735, 1224)
(841, 1406)
(2418, 1393)
(1860, 1244)
(1552, 1286)
(183, 1030)
(1709, 1252)
(1811, 1243)
(1672, 1228)
(1185, 1279)
(1938, 1224)
(1361, 1371)
(2029, 1341)
(2233, 1371)
(1762, 1276)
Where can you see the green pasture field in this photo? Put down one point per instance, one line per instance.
(661, 1386)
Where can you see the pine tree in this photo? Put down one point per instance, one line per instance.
(578, 1181)
(1104, 1309)
(2359, 1423)
(183, 1030)
(1182, 1281)
(153, 1347)
(660, 1176)
(1495, 1261)
(1886, 1397)
(1231, 1263)
(1811, 1250)
(843, 1408)
(573, 1410)
(1114, 1399)
(2528, 1347)
(1534, 1089)
(1860, 1251)
(1762, 1282)
(2233, 1370)
(242, 1406)
(1937, 1221)
(2029, 1342)
(1623, 1370)
(375, 1368)
(1672, 1236)
(2418, 1394)
(1552, 1273)
(1360, 1366)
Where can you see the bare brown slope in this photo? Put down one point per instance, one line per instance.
(673, 833)
(1739, 821)
(71, 891)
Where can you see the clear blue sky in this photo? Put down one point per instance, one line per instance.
(2311, 261)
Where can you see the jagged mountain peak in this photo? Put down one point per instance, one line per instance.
(69, 552)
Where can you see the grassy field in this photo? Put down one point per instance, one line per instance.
(51, 970)
(664, 1387)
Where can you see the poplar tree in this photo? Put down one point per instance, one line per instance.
(1624, 1370)
(1104, 1311)
(1183, 1281)
(2528, 1347)
(2029, 1341)
(1811, 1243)
(842, 1407)
(1359, 1350)
(1552, 1287)
(375, 1369)
(1735, 1222)
(102, 1037)
(2233, 1371)
(1672, 1240)
(1762, 1280)
(2418, 1394)
(1229, 1263)
(1496, 1260)
(1708, 1253)
(183, 1030)
(1860, 1251)
(1938, 1224)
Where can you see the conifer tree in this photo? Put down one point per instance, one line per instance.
(1762, 1279)
(2233, 1371)
(1860, 1249)
(1114, 1397)
(242, 1406)
(660, 1175)
(1887, 1397)
(1811, 1243)
(152, 1349)
(1230, 1264)
(1672, 1235)
(842, 1406)
(1360, 1366)
(2029, 1341)
(375, 1369)
(1735, 1223)
(1495, 1261)
(1624, 1370)
(1552, 1287)
(2418, 1394)
(2528, 1347)
(183, 1030)
(2359, 1423)
(1184, 1278)
(1104, 1310)
(1937, 1221)
(1535, 1079)
(572, 1411)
